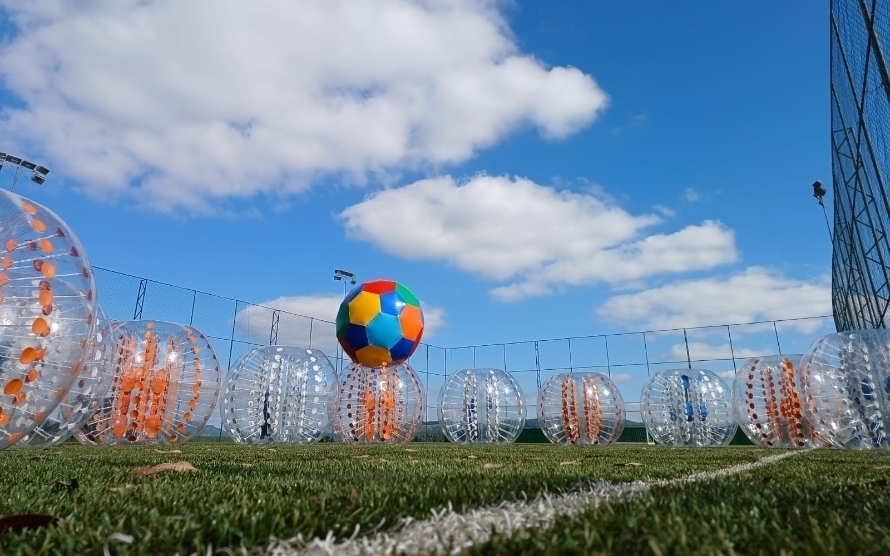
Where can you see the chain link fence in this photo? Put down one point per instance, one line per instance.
(234, 327)
(860, 141)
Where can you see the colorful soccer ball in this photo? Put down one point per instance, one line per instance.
(380, 323)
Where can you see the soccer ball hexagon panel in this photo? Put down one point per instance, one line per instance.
(380, 323)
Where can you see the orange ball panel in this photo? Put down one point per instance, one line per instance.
(411, 320)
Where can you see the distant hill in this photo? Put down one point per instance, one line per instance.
(211, 430)
(429, 430)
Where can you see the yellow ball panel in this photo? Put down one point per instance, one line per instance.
(364, 308)
(373, 356)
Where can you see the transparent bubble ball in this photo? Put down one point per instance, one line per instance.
(47, 314)
(688, 408)
(766, 404)
(279, 394)
(577, 409)
(481, 406)
(845, 384)
(86, 394)
(166, 381)
(382, 405)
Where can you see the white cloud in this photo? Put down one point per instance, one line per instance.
(703, 351)
(620, 378)
(514, 229)
(665, 211)
(182, 104)
(754, 294)
(433, 319)
(691, 195)
(294, 321)
(727, 376)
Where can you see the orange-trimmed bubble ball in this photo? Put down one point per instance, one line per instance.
(581, 409)
(166, 383)
(382, 405)
(86, 394)
(48, 312)
(767, 404)
(380, 323)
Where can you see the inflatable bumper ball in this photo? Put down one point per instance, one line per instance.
(481, 406)
(86, 395)
(279, 394)
(166, 383)
(845, 386)
(766, 403)
(48, 311)
(380, 399)
(577, 409)
(688, 408)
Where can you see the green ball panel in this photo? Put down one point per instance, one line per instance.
(406, 294)
(342, 319)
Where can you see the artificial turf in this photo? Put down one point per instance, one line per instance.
(821, 502)
(243, 495)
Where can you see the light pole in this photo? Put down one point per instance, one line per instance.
(819, 192)
(346, 278)
(15, 163)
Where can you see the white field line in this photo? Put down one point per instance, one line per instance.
(451, 532)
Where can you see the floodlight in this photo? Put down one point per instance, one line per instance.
(344, 275)
(819, 191)
(38, 173)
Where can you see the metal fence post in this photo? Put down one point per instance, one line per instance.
(646, 351)
(571, 364)
(686, 341)
(273, 330)
(778, 343)
(192, 314)
(731, 350)
(140, 299)
(608, 358)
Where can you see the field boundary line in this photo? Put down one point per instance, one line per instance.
(449, 532)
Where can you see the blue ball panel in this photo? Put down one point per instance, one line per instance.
(402, 349)
(392, 303)
(356, 336)
(352, 294)
(384, 331)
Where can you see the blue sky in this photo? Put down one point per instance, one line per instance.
(529, 169)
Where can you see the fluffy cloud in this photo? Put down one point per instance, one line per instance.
(538, 237)
(180, 103)
(620, 378)
(294, 321)
(754, 294)
(703, 351)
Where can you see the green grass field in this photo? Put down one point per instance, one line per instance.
(822, 502)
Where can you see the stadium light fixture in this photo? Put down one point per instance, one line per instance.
(346, 278)
(819, 193)
(15, 163)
